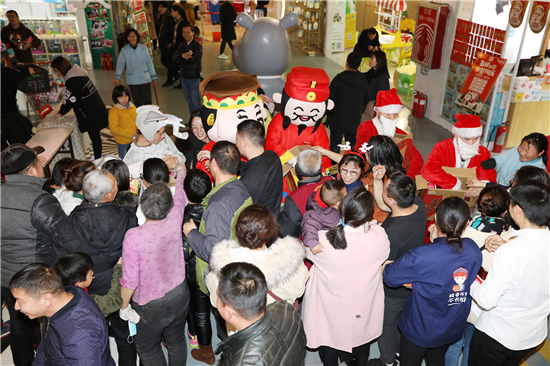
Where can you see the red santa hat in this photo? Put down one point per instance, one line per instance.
(468, 126)
(387, 101)
(307, 84)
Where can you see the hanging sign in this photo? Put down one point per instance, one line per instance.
(517, 12)
(539, 15)
(480, 81)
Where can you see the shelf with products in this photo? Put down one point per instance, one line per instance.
(389, 20)
(54, 46)
(308, 34)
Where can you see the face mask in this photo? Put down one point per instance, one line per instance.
(388, 125)
(467, 151)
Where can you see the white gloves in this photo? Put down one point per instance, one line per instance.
(129, 314)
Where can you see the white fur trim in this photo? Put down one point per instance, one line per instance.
(468, 133)
(390, 109)
(278, 263)
(458, 185)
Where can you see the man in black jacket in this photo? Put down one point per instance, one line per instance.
(20, 38)
(272, 335)
(97, 228)
(262, 174)
(348, 90)
(180, 20)
(189, 56)
(166, 39)
(29, 216)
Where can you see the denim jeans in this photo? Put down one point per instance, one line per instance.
(453, 353)
(122, 150)
(192, 94)
(163, 319)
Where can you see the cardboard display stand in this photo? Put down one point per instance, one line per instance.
(432, 197)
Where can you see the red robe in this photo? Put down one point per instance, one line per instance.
(202, 164)
(443, 154)
(280, 140)
(367, 129)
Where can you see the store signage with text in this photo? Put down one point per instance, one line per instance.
(480, 81)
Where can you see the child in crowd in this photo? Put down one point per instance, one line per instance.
(196, 185)
(492, 204)
(70, 194)
(441, 274)
(322, 213)
(154, 170)
(76, 270)
(122, 119)
(56, 180)
(533, 150)
(197, 35)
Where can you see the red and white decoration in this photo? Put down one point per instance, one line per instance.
(398, 5)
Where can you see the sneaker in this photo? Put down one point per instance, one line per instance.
(167, 83)
(5, 329)
(193, 340)
(222, 56)
(379, 362)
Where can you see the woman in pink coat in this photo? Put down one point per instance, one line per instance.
(344, 299)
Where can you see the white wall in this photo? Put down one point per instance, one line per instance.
(433, 84)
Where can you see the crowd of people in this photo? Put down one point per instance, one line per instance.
(151, 242)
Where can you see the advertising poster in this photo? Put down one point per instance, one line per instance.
(351, 17)
(424, 36)
(98, 20)
(517, 12)
(538, 16)
(480, 81)
(338, 26)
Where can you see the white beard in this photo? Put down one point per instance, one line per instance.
(466, 151)
(385, 126)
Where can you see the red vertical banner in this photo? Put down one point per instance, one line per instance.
(538, 16)
(424, 35)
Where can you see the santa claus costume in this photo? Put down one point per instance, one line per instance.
(454, 152)
(304, 101)
(388, 102)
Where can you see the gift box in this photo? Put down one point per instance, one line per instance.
(432, 197)
(521, 84)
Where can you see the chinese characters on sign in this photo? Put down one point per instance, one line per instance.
(480, 81)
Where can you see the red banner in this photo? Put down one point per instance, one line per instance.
(539, 15)
(424, 34)
(480, 81)
(517, 12)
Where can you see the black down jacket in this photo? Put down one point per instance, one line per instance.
(277, 339)
(98, 230)
(28, 217)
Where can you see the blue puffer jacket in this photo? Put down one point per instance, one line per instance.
(138, 65)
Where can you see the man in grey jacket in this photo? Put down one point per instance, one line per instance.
(29, 215)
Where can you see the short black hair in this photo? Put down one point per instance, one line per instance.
(74, 267)
(196, 30)
(188, 25)
(164, 4)
(530, 172)
(155, 170)
(196, 185)
(37, 279)
(227, 157)
(130, 30)
(402, 189)
(127, 199)
(156, 201)
(253, 130)
(12, 11)
(119, 91)
(533, 198)
(354, 60)
(332, 192)
(120, 171)
(243, 287)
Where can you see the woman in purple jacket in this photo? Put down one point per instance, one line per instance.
(440, 275)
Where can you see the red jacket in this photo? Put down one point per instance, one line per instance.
(280, 140)
(367, 129)
(443, 154)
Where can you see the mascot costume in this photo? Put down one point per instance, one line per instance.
(228, 98)
(304, 102)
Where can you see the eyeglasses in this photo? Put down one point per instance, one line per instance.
(351, 173)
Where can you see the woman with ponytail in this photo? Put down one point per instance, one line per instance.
(70, 193)
(344, 300)
(440, 275)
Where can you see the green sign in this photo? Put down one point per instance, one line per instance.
(100, 29)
